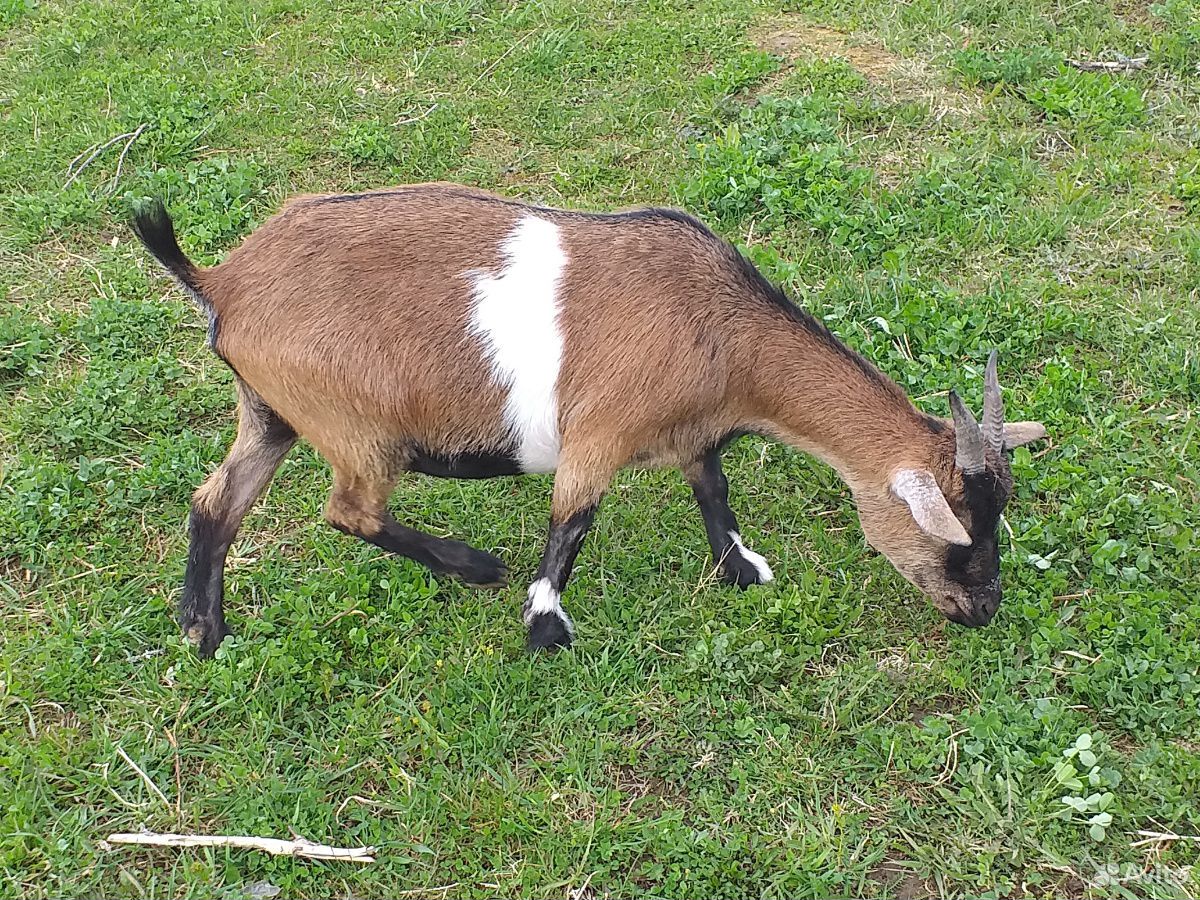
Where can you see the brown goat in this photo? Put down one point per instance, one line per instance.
(442, 329)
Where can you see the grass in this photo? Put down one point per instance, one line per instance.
(931, 178)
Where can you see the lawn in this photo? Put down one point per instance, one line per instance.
(934, 179)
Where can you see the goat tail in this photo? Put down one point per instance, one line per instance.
(152, 224)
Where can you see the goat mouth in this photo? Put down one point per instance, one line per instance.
(959, 619)
(966, 617)
(958, 608)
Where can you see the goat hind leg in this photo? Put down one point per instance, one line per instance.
(218, 508)
(358, 506)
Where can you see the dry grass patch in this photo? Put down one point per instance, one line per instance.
(796, 39)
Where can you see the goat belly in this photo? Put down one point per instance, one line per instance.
(473, 464)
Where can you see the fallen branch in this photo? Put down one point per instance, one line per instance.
(75, 168)
(121, 159)
(1157, 837)
(1121, 64)
(297, 847)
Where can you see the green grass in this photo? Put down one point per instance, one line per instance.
(828, 735)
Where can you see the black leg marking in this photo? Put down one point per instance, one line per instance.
(489, 464)
(217, 511)
(738, 565)
(547, 630)
(200, 614)
(549, 625)
(441, 555)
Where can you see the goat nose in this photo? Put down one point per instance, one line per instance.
(988, 607)
(975, 613)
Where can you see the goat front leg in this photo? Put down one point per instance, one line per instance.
(578, 487)
(738, 564)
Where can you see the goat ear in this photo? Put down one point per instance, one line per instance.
(1018, 434)
(928, 506)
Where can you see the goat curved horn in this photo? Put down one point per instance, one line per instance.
(993, 407)
(968, 438)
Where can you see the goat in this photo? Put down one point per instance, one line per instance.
(446, 330)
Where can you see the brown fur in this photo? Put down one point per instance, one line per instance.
(230, 491)
(350, 320)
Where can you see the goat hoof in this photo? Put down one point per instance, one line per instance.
(548, 631)
(206, 634)
(741, 572)
(486, 571)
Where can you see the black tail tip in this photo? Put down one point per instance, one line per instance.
(152, 224)
(149, 218)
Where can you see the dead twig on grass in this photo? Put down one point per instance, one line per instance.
(951, 765)
(1120, 64)
(355, 798)
(297, 847)
(499, 59)
(121, 159)
(417, 118)
(75, 168)
(1156, 837)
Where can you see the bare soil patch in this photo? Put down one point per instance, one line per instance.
(797, 40)
(898, 880)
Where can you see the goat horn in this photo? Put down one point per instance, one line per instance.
(993, 407)
(968, 438)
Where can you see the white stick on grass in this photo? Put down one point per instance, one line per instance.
(121, 159)
(75, 168)
(1158, 837)
(298, 847)
(1124, 64)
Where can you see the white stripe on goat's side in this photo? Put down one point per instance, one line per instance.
(516, 316)
(759, 562)
(543, 598)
